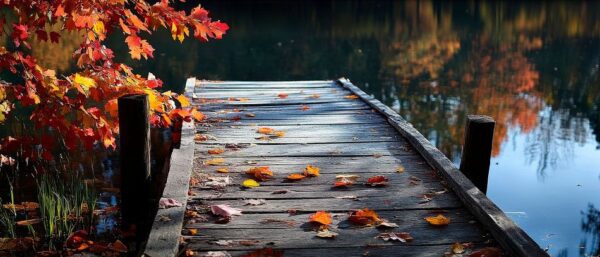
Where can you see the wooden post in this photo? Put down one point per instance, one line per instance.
(477, 150)
(134, 128)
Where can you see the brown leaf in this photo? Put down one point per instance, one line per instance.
(216, 151)
(365, 217)
(28, 222)
(326, 233)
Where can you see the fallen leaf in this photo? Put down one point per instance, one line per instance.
(218, 182)
(164, 218)
(387, 224)
(216, 151)
(343, 183)
(377, 181)
(249, 114)
(296, 176)
(250, 183)
(28, 222)
(400, 169)
(351, 197)
(222, 170)
(225, 210)
(200, 137)
(457, 248)
(305, 107)
(118, 246)
(165, 203)
(278, 133)
(322, 218)
(365, 217)
(343, 177)
(315, 96)
(351, 97)
(255, 202)
(189, 253)
(326, 233)
(265, 130)
(439, 220)
(215, 161)
(223, 242)
(282, 95)
(487, 252)
(394, 236)
(311, 171)
(260, 173)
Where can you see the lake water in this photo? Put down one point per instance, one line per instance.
(534, 67)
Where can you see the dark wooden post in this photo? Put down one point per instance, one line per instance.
(134, 128)
(477, 150)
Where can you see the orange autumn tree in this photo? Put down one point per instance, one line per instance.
(80, 109)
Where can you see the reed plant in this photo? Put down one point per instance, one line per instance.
(8, 216)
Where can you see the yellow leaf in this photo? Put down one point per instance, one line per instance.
(250, 183)
(193, 231)
(265, 130)
(311, 171)
(279, 133)
(439, 220)
(84, 82)
(400, 169)
(216, 161)
(184, 101)
(351, 97)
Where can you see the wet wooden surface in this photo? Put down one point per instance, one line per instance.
(340, 136)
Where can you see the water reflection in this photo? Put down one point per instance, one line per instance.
(533, 66)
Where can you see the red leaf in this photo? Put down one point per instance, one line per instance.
(19, 34)
(54, 37)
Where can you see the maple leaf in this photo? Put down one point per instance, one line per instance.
(295, 176)
(265, 130)
(439, 220)
(321, 217)
(377, 181)
(260, 173)
(216, 151)
(365, 217)
(311, 171)
(19, 33)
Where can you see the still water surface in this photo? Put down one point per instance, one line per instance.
(534, 67)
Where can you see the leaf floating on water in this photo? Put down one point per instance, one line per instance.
(377, 181)
(165, 203)
(394, 236)
(225, 210)
(439, 220)
(216, 151)
(222, 170)
(487, 252)
(326, 233)
(322, 218)
(250, 183)
(296, 177)
(364, 217)
(215, 161)
(400, 169)
(311, 171)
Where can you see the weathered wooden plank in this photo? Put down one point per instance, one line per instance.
(509, 235)
(336, 163)
(305, 237)
(342, 149)
(299, 140)
(312, 119)
(399, 250)
(297, 130)
(339, 220)
(274, 92)
(353, 105)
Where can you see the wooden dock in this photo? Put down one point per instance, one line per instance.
(338, 128)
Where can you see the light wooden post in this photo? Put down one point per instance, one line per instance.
(134, 128)
(477, 150)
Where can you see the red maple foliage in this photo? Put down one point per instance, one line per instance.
(83, 105)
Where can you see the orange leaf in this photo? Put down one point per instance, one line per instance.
(193, 231)
(279, 133)
(282, 95)
(321, 217)
(265, 130)
(198, 116)
(439, 220)
(261, 173)
(351, 97)
(222, 170)
(296, 176)
(216, 161)
(342, 183)
(377, 181)
(184, 101)
(216, 151)
(311, 171)
(305, 107)
(364, 217)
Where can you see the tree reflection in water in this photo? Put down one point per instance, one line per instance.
(590, 224)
